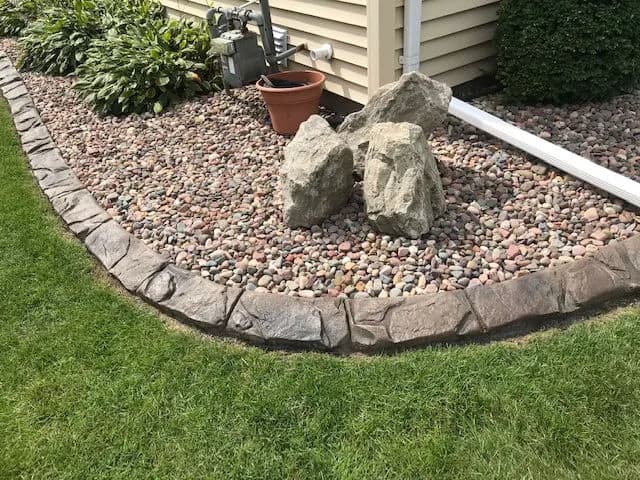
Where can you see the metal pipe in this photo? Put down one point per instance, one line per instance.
(211, 21)
(578, 166)
(412, 32)
(266, 30)
(290, 52)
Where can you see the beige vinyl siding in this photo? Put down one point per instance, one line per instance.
(457, 39)
(343, 23)
(367, 37)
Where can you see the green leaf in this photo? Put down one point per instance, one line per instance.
(135, 64)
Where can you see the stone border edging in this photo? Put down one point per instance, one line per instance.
(325, 323)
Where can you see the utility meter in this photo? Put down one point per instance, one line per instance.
(242, 59)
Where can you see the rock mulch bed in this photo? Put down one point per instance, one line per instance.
(200, 183)
(607, 133)
(333, 324)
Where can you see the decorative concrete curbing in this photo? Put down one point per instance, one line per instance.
(190, 298)
(329, 324)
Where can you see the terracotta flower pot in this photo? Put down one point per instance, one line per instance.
(289, 107)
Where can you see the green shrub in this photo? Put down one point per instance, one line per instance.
(57, 41)
(16, 14)
(60, 31)
(568, 50)
(128, 55)
(146, 68)
(12, 20)
(121, 14)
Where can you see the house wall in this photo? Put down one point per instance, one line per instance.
(367, 36)
(343, 23)
(457, 39)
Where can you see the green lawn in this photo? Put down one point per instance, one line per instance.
(94, 385)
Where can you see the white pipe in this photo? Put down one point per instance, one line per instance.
(578, 166)
(324, 52)
(412, 32)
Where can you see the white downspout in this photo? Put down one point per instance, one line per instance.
(412, 33)
(575, 165)
(578, 166)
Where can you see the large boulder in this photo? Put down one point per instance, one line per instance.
(415, 98)
(317, 174)
(402, 187)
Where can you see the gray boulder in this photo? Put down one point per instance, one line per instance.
(402, 187)
(415, 98)
(317, 174)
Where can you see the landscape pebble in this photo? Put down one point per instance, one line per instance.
(200, 184)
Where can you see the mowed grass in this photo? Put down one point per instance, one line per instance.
(95, 386)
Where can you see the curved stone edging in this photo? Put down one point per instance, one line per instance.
(321, 323)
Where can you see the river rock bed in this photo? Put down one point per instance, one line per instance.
(607, 133)
(200, 183)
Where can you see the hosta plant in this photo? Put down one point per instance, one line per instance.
(121, 14)
(12, 21)
(16, 14)
(146, 68)
(56, 42)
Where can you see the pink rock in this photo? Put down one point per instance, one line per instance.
(395, 261)
(513, 251)
(259, 257)
(601, 235)
(345, 247)
(578, 251)
(591, 215)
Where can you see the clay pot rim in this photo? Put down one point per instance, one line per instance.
(322, 78)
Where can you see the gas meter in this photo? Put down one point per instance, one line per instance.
(243, 60)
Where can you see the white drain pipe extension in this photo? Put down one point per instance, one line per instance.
(578, 166)
(603, 178)
(412, 32)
